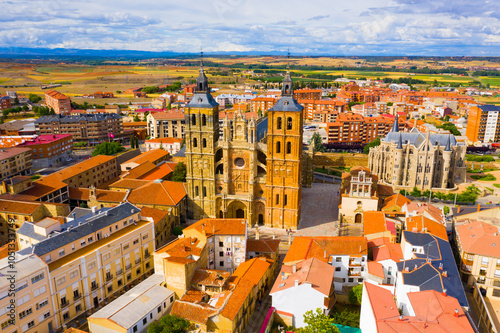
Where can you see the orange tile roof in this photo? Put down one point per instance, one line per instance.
(183, 248)
(193, 296)
(263, 245)
(139, 170)
(164, 140)
(219, 227)
(129, 183)
(375, 268)
(161, 171)
(56, 94)
(303, 248)
(209, 277)
(374, 222)
(81, 193)
(151, 156)
(161, 193)
(253, 270)
(479, 238)
(384, 189)
(395, 200)
(193, 312)
(18, 207)
(237, 298)
(317, 273)
(168, 115)
(421, 208)
(419, 222)
(156, 214)
(388, 251)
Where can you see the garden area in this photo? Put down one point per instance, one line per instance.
(469, 195)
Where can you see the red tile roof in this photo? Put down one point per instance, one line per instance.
(419, 222)
(161, 193)
(479, 238)
(193, 312)
(263, 245)
(376, 269)
(219, 227)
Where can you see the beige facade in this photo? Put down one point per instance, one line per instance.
(93, 259)
(31, 309)
(166, 124)
(15, 161)
(426, 161)
(253, 170)
(358, 195)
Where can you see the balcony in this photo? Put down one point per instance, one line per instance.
(109, 277)
(119, 272)
(354, 272)
(64, 303)
(354, 263)
(94, 286)
(137, 260)
(127, 267)
(146, 255)
(77, 297)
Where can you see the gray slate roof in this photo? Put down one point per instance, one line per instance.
(440, 257)
(287, 103)
(82, 227)
(489, 107)
(28, 230)
(202, 100)
(78, 117)
(417, 138)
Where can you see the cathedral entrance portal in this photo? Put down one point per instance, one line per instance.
(261, 219)
(236, 209)
(240, 213)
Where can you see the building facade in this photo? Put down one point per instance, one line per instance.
(166, 124)
(5, 102)
(253, 170)
(91, 128)
(426, 161)
(59, 102)
(15, 161)
(483, 124)
(50, 150)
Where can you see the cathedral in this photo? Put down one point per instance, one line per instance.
(423, 160)
(255, 169)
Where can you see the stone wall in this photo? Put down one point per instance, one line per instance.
(339, 159)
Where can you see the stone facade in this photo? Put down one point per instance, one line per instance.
(358, 194)
(253, 170)
(413, 159)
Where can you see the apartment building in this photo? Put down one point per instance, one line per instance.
(50, 150)
(15, 161)
(479, 256)
(319, 110)
(262, 104)
(349, 256)
(30, 309)
(57, 101)
(92, 259)
(5, 102)
(483, 124)
(171, 145)
(92, 128)
(307, 93)
(18, 127)
(226, 240)
(166, 124)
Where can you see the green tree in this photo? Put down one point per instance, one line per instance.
(390, 103)
(446, 210)
(346, 317)
(374, 143)
(416, 192)
(318, 142)
(136, 119)
(179, 174)
(450, 127)
(169, 324)
(34, 98)
(5, 113)
(169, 106)
(25, 108)
(355, 294)
(108, 148)
(318, 322)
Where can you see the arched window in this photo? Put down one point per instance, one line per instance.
(289, 123)
(204, 143)
(288, 147)
(195, 142)
(193, 119)
(278, 123)
(278, 147)
(203, 120)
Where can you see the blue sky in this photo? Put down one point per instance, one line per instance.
(330, 27)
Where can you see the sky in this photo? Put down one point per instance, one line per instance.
(306, 27)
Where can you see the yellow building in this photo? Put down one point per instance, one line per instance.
(254, 169)
(92, 259)
(31, 309)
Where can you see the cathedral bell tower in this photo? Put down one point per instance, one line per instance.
(284, 160)
(201, 137)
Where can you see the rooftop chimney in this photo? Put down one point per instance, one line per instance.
(458, 209)
(445, 274)
(294, 268)
(296, 283)
(456, 313)
(400, 317)
(94, 209)
(444, 292)
(478, 207)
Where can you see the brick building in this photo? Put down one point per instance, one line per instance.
(90, 128)
(307, 93)
(5, 103)
(50, 150)
(59, 102)
(262, 103)
(15, 161)
(320, 109)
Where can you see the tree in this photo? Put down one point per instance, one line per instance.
(34, 98)
(16, 100)
(355, 294)
(108, 148)
(374, 143)
(318, 142)
(169, 324)
(179, 174)
(318, 322)
(136, 118)
(446, 210)
(390, 103)
(346, 317)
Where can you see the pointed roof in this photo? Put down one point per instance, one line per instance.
(395, 126)
(287, 102)
(202, 97)
(448, 147)
(400, 141)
